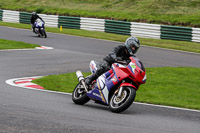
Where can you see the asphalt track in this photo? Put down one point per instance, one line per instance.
(31, 111)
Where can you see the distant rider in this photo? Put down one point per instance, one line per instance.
(34, 17)
(119, 53)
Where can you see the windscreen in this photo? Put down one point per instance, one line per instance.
(139, 64)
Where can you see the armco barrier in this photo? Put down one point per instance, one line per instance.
(111, 26)
(145, 30)
(118, 27)
(176, 33)
(196, 34)
(10, 16)
(92, 24)
(69, 22)
(25, 17)
(50, 20)
(1, 15)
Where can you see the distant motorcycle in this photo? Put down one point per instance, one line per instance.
(39, 28)
(115, 88)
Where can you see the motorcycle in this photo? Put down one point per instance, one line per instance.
(39, 28)
(115, 88)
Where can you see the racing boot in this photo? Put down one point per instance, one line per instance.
(89, 80)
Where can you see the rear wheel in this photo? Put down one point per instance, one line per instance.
(79, 96)
(119, 104)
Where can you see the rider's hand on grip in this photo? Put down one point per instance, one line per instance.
(118, 59)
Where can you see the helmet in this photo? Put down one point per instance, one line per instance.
(34, 13)
(132, 42)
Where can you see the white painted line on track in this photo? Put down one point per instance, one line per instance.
(25, 82)
(170, 107)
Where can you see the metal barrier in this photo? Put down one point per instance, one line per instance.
(50, 20)
(10, 16)
(118, 27)
(110, 26)
(196, 34)
(25, 17)
(176, 33)
(92, 24)
(1, 15)
(145, 30)
(69, 22)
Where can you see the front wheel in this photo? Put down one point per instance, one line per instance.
(44, 33)
(79, 96)
(119, 104)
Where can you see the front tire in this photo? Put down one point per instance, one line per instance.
(119, 104)
(44, 33)
(79, 96)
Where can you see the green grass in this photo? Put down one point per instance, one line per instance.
(173, 12)
(6, 44)
(177, 86)
(170, 44)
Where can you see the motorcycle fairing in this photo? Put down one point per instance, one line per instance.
(101, 91)
(128, 84)
(119, 73)
(95, 94)
(136, 71)
(93, 66)
(38, 23)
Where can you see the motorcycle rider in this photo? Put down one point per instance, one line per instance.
(119, 53)
(34, 17)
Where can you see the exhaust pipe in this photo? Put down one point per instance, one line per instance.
(81, 79)
(79, 75)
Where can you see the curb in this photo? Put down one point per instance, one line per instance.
(25, 82)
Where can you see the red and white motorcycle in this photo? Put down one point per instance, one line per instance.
(115, 88)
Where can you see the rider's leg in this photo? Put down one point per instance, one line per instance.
(91, 78)
(103, 68)
(33, 27)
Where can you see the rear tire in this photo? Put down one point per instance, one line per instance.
(79, 96)
(119, 104)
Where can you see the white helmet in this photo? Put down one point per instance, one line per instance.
(130, 42)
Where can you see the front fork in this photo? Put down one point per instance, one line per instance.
(118, 92)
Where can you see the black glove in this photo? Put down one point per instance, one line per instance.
(119, 59)
(128, 61)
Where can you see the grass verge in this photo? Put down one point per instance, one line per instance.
(170, 44)
(6, 44)
(177, 86)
